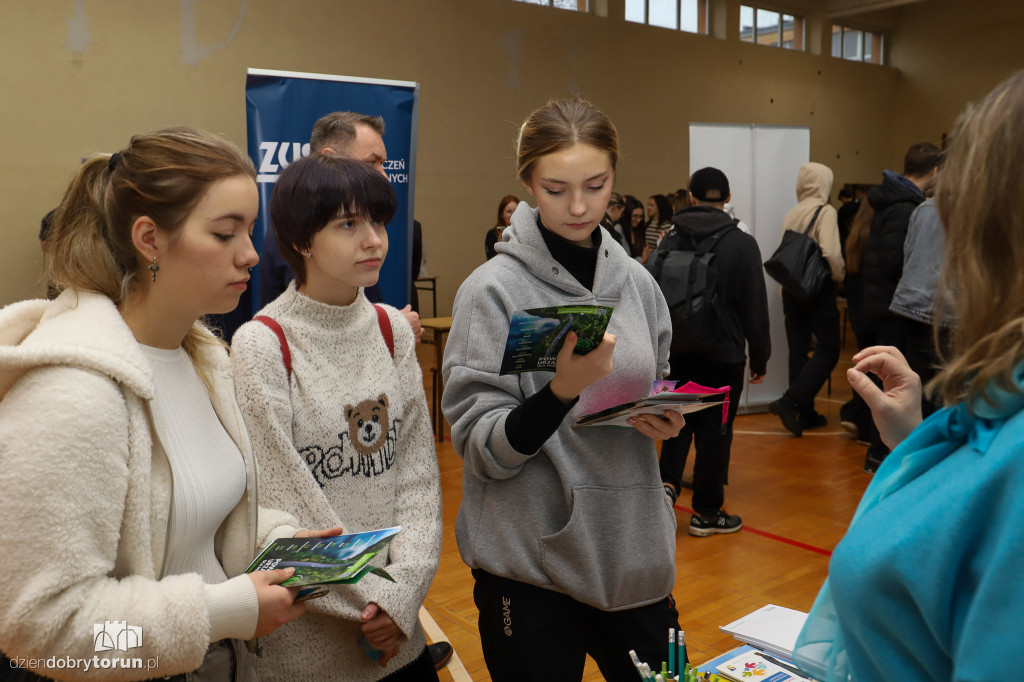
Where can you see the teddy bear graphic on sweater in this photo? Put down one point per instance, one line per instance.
(367, 446)
(367, 424)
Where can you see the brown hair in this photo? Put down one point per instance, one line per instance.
(680, 199)
(977, 198)
(562, 123)
(500, 223)
(921, 158)
(315, 190)
(858, 237)
(162, 175)
(338, 129)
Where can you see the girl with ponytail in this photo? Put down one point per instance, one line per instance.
(127, 485)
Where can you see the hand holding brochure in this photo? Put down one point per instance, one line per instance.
(339, 559)
(665, 395)
(536, 335)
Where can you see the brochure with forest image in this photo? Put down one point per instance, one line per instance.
(536, 335)
(339, 559)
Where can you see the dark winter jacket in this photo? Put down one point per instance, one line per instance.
(894, 201)
(741, 289)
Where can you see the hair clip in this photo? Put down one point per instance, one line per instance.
(114, 159)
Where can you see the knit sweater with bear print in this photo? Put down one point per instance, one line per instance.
(345, 441)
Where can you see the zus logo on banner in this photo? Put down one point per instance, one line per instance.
(274, 156)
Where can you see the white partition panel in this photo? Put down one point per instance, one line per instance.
(761, 163)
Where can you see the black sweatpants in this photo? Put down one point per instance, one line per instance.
(530, 634)
(711, 463)
(923, 357)
(818, 316)
(890, 331)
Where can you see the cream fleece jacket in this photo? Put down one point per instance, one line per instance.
(813, 186)
(85, 495)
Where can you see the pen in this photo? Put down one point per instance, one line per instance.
(779, 663)
(672, 650)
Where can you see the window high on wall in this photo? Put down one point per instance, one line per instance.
(768, 27)
(684, 15)
(576, 5)
(857, 45)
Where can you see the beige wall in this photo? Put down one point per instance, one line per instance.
(80, 77)
(950, 53)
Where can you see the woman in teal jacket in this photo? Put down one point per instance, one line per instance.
(926, 584)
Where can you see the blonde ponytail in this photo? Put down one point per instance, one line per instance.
(161, 175)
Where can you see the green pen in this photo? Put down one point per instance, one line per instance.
(672, 650)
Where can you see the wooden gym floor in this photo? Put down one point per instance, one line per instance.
(796, 497)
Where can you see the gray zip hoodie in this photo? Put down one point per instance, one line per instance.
(585, 515)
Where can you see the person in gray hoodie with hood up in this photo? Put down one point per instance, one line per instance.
(567, 530)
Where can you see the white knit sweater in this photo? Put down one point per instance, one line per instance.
(347, 441)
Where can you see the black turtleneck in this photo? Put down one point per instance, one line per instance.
(580, 261)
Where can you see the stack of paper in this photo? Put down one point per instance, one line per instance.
(772, 629)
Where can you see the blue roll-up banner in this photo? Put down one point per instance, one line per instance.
(281, 108)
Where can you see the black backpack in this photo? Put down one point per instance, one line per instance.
(687, 273)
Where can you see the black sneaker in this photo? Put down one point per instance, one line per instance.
(440, 654)
(813, 420)
(703, 526)
(874, 457)
(670, 490)
(785, 409)
(861, 433)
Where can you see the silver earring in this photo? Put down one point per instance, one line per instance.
(307, 254)
(153, 268)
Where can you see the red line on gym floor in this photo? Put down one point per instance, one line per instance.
(773, 536)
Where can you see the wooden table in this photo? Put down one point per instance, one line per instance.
(438, 328)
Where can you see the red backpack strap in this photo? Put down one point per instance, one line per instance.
(385, 328)
(286, 355)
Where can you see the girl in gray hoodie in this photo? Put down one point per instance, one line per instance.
(569, 533)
